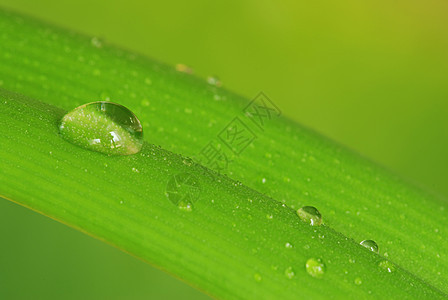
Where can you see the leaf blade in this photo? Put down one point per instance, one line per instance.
(329, 168)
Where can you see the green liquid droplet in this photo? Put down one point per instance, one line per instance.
(213, 80)
(371, 245)
(289, 273)
(184, 68)
(315, 267)
(310, 214)
(104, 127)
(289, 245)
(387, 266)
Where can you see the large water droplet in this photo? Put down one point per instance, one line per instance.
(371, 245)
(315, 267)
(310, 214)
(104, 127)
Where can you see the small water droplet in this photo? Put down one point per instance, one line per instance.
(371, 245)
(145, 102)
(96, 42)
(263, 180)
(269, 217)
(105, 96)
(184, 68)
(187, 161)
(310, 214)
(135, 170)
(257, 277)
(315, 267)
(387, 265)
(104, 127)
(289, 272)
(289, 245)
(214, 80)
(358, 281)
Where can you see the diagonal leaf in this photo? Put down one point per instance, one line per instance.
(229, 245)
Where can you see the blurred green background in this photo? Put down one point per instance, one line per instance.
(372, 75)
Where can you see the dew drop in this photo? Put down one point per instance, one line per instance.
(371, 245)
(289, 273)
(214, 80)
(257, 277)
(145, 102)
(387, 265)
(96, 42)
(358, 281)
(104, 127)
(105, 96)
(289, 245)
(184, 69)
(315, 267)
(148, 81)
(310, 214)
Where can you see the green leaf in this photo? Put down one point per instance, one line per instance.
(241, 239)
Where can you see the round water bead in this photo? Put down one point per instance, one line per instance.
(371, 245)
(104, 127)
(310, 214)
(315, 267)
